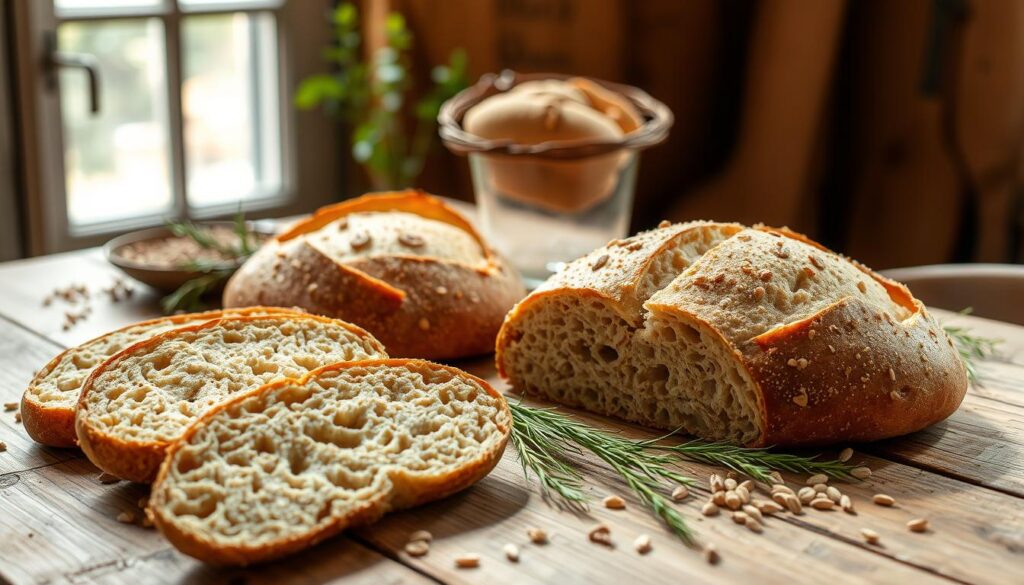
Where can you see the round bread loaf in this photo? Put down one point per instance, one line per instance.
(405, 266)
(753, 336)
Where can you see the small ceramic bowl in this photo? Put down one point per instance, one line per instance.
(168, 279)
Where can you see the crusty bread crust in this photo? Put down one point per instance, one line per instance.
(423, 489)
(139, 460)
(418, 306)
(54, 424)
(866, 366)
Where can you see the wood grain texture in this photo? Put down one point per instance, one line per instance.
(58, 522)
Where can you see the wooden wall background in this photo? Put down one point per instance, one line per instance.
(890, 130)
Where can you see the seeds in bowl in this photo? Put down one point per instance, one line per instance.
(181, 251)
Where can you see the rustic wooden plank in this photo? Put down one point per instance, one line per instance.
(58, 524)
(28, 282)
(21, 354)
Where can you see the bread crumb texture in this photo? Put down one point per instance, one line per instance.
(297, 461)
(725, 332)
(154, 391)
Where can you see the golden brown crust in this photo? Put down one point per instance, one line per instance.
(139, 461)
(417, 306)
(55, 425)
(850, 371)
(866, 376)
(203, 549)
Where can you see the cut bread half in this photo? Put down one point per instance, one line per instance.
(753, 336)
(48, 404)
(140, 400)
(279, 469)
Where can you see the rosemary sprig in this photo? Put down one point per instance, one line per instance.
(971, 347)
(546, 440)
(561, 436)
(757, 463)
(189, 296)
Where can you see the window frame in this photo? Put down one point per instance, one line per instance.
(303, 186)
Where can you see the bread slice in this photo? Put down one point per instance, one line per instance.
(48, 404)
(140, 400)
(281, 468)
(753, 336)
(404, 265)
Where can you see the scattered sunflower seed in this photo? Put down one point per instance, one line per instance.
(642, 544)
(511, 552)
(709, 509)
(614, 502)
(680, 493)
(806, 494)
(823, 504)
(870, 536)
(537, 535)
(884, 500)
(860, 472)
(845, 455)
(417, 548)
(467, 561)
(601, 534)
(816, 479)
(711, 554)
(918, 525)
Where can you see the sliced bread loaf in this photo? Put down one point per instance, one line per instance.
(48, 404)
(281, 468)
(140, 400)
(755, 336)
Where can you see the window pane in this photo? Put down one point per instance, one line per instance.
(79, 6)
(117, 162)
(230, 103)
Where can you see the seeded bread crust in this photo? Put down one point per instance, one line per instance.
(453, 427)
(763, 337)
(134, 405)
(442, 297)
(48, 404)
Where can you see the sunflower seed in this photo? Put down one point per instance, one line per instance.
(806, 494)
(614, 502)
(846, 504)
(860, 472)
(739, 517)
(467, 561)
(642, 544)
(793, 503)
(710, 554)
(511, 552)
(817, 478)
(537, 536)
(918, 525)
(820, 488)
(733, 500)
(769, 507)
(823, 504)
(753, 512)
(833, 494)
(870, 536)
(680, 493)
(417, 548)
(718, 498)
(709, 509)
(754, 525)
(884, 500)
(715, 483)
(845, 455)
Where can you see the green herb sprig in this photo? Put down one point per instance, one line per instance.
(972, 348)
(189, 296)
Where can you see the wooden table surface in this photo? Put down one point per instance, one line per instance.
(966, 475)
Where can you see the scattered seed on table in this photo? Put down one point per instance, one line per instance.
(823, 504)
(806, 494)
(883, 500)
(537, 535)
(754, 526)
(733, 500)
(817, 478)
(860, 472)
(601, 534)
(467, 561)
(126, 517)
(680, 493)
(747, 485)
(845, 455)
(794, 505)
(710, 553)
(511, 552)
(847, 504)
(833, 494)
(730, 484)
(718, 498)
(743, 493)
(709, 509)
(715, 483)
(769, 507)
(870, 536)
(3, 446)
(739, 517)
(9, 406)
(753, 512)
(780, 488)
(820, 488)
(642, 544)
(417, 548)
(614, 502)
(918, 525)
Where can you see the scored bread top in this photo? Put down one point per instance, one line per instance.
(395, 233)
(279, 468)
(48, 403)
(760, 280)
(145, 396)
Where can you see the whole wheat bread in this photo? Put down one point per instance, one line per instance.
(755, 336)
(140, 400)
(48, 404)
(278, 469)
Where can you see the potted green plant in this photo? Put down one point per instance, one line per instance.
(371, 96)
